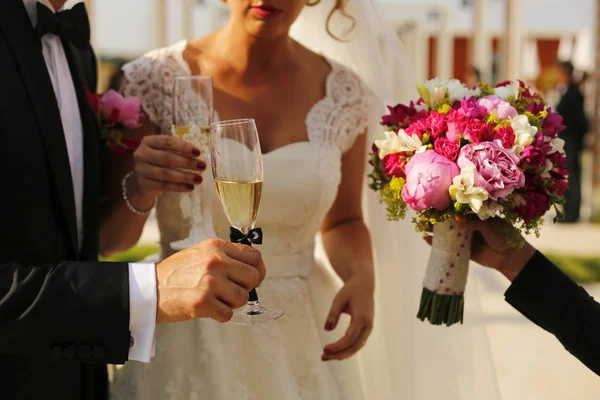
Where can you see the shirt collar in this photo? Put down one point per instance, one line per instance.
(31, 7)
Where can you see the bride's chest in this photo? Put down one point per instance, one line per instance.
(300, 184)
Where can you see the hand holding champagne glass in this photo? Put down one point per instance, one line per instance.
(237, 167)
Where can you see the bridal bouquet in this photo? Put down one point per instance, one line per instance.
(458, 152)
(118, 116)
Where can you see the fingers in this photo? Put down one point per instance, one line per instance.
(220, 311)
(168, 159)
(160, 186)
(244, 275)
(246, 255)
(232, 294)
(167, 175)
(358, 344)
(337, 307)
(351, 336)
(172, 144)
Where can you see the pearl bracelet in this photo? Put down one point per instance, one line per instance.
(126, 199)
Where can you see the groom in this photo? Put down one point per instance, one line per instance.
(60, 321)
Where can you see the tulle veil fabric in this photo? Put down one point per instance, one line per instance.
(405, 359)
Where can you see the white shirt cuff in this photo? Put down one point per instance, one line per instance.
(142, 310)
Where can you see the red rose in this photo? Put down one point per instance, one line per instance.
(394, 164)
(559, 187)
(436, 125)
(447, 148)
(478, 131)
(507, 136)
(534, 206)
(534, 157)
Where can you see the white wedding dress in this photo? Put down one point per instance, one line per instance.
(405, 359)
(203, 359)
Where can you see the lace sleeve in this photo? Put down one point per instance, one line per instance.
(343, 114)
(151, 79)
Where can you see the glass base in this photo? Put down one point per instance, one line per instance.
(253, 313)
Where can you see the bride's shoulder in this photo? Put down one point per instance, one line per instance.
(157, 65)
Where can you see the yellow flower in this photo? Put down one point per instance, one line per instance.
(444, 109)
(396, 186)
(492, 119)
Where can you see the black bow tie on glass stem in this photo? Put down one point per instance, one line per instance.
(254, 236)
(72, 25)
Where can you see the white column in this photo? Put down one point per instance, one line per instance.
(187, 24)
(481, 43)
(445, 47)
(513, 40)
(413, 35)
(160, 16)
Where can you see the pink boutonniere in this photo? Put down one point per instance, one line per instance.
(118, 117)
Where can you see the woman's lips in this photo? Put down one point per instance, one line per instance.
(266, 12)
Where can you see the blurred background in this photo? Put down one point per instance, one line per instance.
(472, 40)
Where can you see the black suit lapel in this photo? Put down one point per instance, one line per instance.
(26, 49)
(79, 61)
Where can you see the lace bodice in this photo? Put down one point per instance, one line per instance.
(300, 179)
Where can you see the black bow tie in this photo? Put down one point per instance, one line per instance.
(254, 236)
(72, 25)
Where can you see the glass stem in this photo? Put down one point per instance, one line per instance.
(253, 299)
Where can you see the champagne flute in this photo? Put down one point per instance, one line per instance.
(192, 115)
(238, 173)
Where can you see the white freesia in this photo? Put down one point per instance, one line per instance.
(464, 191)
(457, 90)
(489, 209)
(504, 92)
(437, 91)
(547, 168)
(558, 146)
(421, 107)
(524, 132)
(395, 143)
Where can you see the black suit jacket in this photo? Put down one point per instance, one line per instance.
(549, 298)
(55, 315)
(572, 108)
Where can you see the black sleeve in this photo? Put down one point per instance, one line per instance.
(77, 311)
(552, 300)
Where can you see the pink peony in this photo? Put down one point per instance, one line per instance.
(478, 131)
(435, 125)
(428, 178)
(507, 136)
(447, 148)
(502, 108)
(534, 157)
(394, 164)
(125, 111)
(497, 169)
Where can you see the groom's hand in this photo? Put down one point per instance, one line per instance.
(209, 280)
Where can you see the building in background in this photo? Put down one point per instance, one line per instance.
(502, 38)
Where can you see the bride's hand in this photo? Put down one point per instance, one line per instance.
(356, 300)
(159, 164)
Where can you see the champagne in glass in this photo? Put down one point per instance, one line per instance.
(237, 167)
(192, 116)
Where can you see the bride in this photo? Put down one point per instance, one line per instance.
(315, 110)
